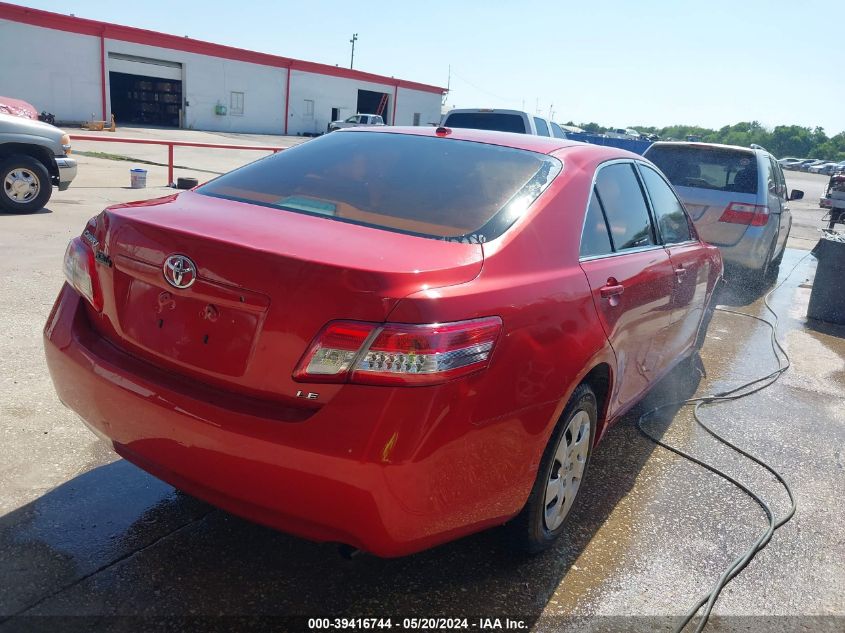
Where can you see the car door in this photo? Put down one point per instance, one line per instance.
(691, 271)
(630, 277)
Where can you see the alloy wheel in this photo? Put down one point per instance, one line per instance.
(21, 185)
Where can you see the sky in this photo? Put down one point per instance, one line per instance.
(646, 62)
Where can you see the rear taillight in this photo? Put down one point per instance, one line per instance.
(80, 272)
(749, 214)
(398, 353)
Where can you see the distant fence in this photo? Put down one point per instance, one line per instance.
(630, 144)
(170, 145)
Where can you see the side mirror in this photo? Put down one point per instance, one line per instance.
(796, 194)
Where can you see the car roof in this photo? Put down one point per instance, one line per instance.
(529, 142)
(750, 150)
(487, 111)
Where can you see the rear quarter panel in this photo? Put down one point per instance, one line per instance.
(551, 338)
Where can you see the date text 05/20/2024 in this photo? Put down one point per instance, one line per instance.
(408, 624)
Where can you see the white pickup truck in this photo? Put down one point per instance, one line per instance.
(356, 120)
(34, 157)
(502, 121)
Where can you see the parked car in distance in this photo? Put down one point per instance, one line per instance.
(624, 133)
(826, 168)
(357, 120)
(807, 164)
(797, 165)
(501, 121)
(34, 158)
(790, 162)
(736, 197)
(319, 342)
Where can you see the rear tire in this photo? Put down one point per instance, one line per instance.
(756, 280)
(773, 270)
(25, 184)
(559, 477)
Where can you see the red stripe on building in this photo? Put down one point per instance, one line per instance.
(83, 26)
(103, 73)
(287, 101)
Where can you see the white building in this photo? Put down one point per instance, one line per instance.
(82, 69)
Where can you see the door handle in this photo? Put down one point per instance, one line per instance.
(611, 290)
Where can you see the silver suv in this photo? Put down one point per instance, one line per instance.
(736, 197)
(34, 156)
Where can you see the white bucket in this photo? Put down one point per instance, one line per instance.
(138, 178)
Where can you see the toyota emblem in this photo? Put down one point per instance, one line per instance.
(179, 271)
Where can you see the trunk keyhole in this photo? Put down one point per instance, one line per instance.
(205, 339)
(160, 323)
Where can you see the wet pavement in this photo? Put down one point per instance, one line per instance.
(84, 533)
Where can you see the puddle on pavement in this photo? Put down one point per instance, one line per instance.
(735, 352)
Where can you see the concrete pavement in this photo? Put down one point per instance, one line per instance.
(84, 533)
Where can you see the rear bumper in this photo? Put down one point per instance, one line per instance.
(752, 250)
(390, 478)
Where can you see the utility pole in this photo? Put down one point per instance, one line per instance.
(352, 41)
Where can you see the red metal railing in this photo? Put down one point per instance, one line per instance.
(170, 145)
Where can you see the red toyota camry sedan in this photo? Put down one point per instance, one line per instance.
(384, 338)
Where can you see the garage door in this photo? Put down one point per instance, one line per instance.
(145, 91)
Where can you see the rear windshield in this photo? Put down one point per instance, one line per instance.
(433, 187)
(707, 168)
(498, 121)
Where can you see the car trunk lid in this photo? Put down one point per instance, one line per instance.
(266, 282)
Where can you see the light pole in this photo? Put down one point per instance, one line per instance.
(352, 41)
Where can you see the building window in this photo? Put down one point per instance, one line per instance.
(309, 108)
(236, 104)
(416, 118)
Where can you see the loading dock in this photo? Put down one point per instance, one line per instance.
(371, 102)
(145, 91)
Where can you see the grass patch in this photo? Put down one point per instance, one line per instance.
(129, 159)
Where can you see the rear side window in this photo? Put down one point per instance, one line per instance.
(622, 199)
(707, 167)
(433, 187)
(777, 184)
(542, 128)
(595, 239)
(499, 121)
(557, 131)
(668, 210)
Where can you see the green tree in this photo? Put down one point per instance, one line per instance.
(783, 140)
